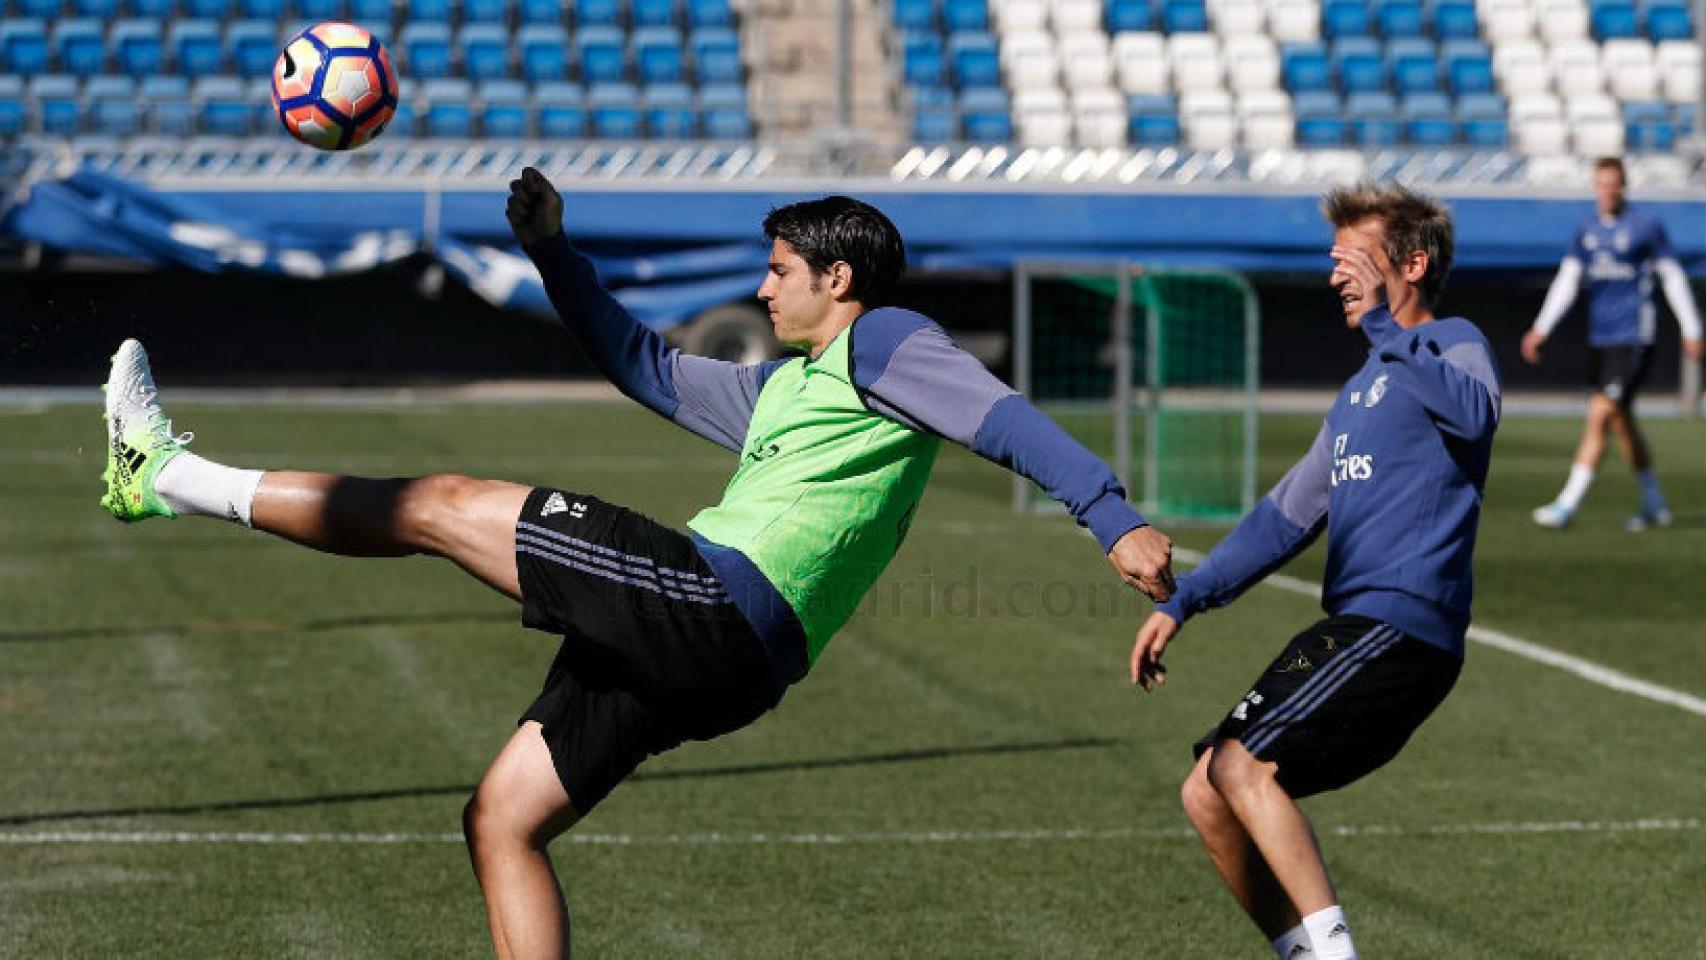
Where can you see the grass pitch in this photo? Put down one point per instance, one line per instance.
(966, 773)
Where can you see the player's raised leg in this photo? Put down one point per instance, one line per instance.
(151, 473)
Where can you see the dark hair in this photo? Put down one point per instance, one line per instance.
(1410, 221)
(842, 229)
(1612, 163)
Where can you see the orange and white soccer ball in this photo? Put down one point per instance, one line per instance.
(333, 86)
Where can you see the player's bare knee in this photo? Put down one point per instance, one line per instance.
(1201, 801)
(1232, 772)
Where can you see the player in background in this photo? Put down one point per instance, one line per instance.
(1395, 476)
(668, 636)
(1615, 254)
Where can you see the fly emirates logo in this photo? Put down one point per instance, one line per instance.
(1350, 466)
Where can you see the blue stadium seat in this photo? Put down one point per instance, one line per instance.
(195, 46)
(921, 58)
(13, 115)
(1320, 119)
(709, 13)
(58, 109)
(485, 50)
(960, 15)
(985, 115)
(1305, 67)
(1648, 126)
(320, 10)
(658, 55)
(503, 109)
(1454, 19)
(264, 115)
(406, 122)
(1344, 18)
(371, 11)
(670, 114)
(934, 119)
(1684, 119)
(485, 11)
(1153, 120)
(23, 46)
(255, 9)
(655, 13)
(1428, 121)
(1668, 20)
(722, 110)
(1359, 64)
(614, 109)
(113, 108)
(252, 46)
(1468, 66)
(914, 15)
(429, 11)
(975, 59)
(545, 12)
(447, 114)
(78, 43)
(1374, 118)
(46, 9)
(1483, 118)
(99, 9)
(222, 106)
(380, 30)
(603, 54)
(426, 49)
(209, 9)
(544, 51)
(1128, 15)
(598, 13)
(716, 55)
(1413, 64)
(1613, 19)
(167, 100)
(1184, 16)
(136, 44)
(1399, 18)
(560, 111)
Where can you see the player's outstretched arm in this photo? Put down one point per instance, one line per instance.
(711, 398)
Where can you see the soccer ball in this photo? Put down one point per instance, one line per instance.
(333, 86)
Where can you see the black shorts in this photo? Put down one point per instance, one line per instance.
(1339, 703)
(653, 653)
(1618, 372)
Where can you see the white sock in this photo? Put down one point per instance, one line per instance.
(197, 487)
(1294, 945)
(1652, 498)
(1330, 935)
(1575, 488)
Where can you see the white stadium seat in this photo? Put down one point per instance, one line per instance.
(1022, 15)
(1295, 21)
(1267, 120)
(1520, 66)
(1561, 20)
(1629, 69)
(1208, 120)
(1140, 60)
(1085, 61)
(1679, 64)
(1194, 59)
(1237, 18)
(1537, 124)
(1503, 20)
(1099, 117)
(1252, 63)
(1076, 16)
(1041, 116)
(1576, 65)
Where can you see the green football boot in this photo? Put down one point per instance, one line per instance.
(139, 438)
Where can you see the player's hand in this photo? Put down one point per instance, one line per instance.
(1144, 559)
(1693, 349)
(1533, 340)
(1366, 280)
(535, 208)
(1152, 639)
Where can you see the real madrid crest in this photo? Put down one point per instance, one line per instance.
(1376, 390)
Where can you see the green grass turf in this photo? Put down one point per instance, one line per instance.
(194, 677)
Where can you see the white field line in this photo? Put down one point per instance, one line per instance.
(1586, 669)
(912, 837)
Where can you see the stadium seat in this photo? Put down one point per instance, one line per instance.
(209, 9)
(1575, 64)
(1041, 117)
(99, 9)
(222, 106)
(195, 46)
(1413, 64)
(1239, 18)
(43, 9)
(722, 111)
(167, 102)
(381, 31)
(1679, 66)
(78, 44)
(1455, 19)
(544, 52)
(1184, 16)
(541, 12)
(985, 115)
(658, 55)
(1030, 60)
(1537, 124)
(252, 47)
(974, 59)
(1098, 117)
(1129, 16)
(560, 110)
(13, 115)
(934, 119)
(914, 15)
(485, 11)
(669, 112)
(113, 108)
(614, 109)
(1629, 69)
(963, 15)
(1684, 118)
(1266, 121)
(598, 13)
(136, 44)
(603, 54)
(1374, 118)
(406, 121)
(1359, 64)
(1305, 67)
(426, 50)
(1596, 125)
(247, 9)
(1140, 62)
(1021, 16)
(503, 109)
(716, 55)
(1399, 18)
(1668, 20)
(1207, 120)
(1482, 116)
(429, 11)
(369, 11)
(59, 112)
(445, 113)
(1562, 20)
(1648, 125)
(921, 58)
(484, 50)
(1613, 19)
(1468, 66)
(1428, 119)
(1320, 119)
(1195, 62)
(1069, 17)
(1294, 21)
(655, 13)
(1344, 18)
(320, 10)
(265, 115)
(709, 13)
(1154, 120)
(1252, 63)
(1085, 64)
(1520, 67)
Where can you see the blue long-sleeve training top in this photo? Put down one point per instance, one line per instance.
(1395, 476)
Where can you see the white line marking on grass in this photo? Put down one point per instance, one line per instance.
(902, 837)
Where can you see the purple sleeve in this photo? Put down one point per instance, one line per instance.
(1456, 382)
(907, 369)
